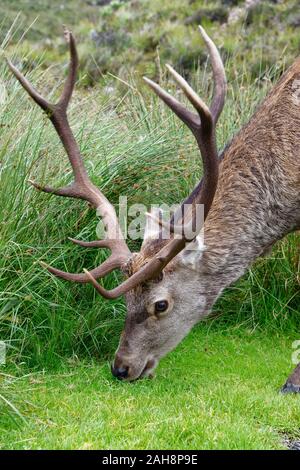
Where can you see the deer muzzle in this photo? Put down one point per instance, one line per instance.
(132, 369)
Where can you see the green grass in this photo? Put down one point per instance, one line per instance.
(219, 389)
(128, 34)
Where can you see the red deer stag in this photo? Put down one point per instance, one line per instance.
(251, 198)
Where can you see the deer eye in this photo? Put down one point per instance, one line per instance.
(161, 306)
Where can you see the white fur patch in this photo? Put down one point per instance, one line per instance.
(192, 254)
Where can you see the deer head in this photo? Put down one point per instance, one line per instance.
(162, 301)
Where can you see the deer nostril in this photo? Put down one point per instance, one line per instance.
(119, 372)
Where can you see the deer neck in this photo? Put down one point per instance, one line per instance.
(233, 240)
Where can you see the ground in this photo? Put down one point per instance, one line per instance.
(220, 387)
(218, 390)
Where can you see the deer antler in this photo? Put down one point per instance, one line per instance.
(82, 187)
(202, 125)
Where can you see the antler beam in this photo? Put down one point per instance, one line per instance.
(81, 187)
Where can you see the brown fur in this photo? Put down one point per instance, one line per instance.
(256, 204)
(258, 197)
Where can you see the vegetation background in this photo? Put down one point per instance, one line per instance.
(219, 389)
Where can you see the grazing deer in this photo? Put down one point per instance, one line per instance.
(251, 198)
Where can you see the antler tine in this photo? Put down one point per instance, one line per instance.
(109, 265)
(69, 83)
(44, 104)
(187, 116)
(71, 78)
(115, 260)
(150, 271)
(220, 83)
(66, 191)
(195, 100)
(94, 244)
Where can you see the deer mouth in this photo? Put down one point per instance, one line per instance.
(148, 369)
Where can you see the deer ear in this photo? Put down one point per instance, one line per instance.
(193, 252)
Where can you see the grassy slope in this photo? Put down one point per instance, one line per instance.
(125, 34)
(229, 392)
(223, 380)
(218, 390)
